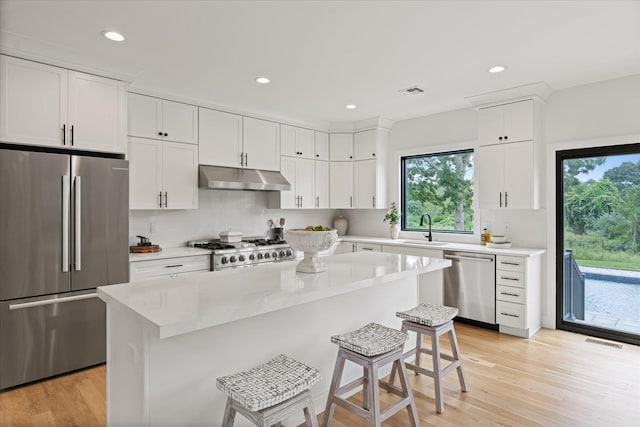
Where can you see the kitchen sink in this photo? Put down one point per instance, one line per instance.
(423, 242)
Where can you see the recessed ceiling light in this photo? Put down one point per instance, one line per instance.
(351, 106)
(262, 80)
(497, 69)
(113, 35)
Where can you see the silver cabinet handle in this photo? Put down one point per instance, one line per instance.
(353, 247)
(173, 266)
(501, 199)
(166, 199)
(160, 194)
(509, 263)
(65, 223)
(509, 314)
(509, 294)
(506, 199)
(78, 205)
(300, 201)
(374, 201)
(246, 159)
(51, 301)
(510, 278)
(468, 258)
(64, 134)
(367, 249)
(317, 201)
(241, 159)
(350, 201)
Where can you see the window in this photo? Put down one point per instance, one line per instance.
(441, 185)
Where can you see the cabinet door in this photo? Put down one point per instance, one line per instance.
(180, 122)
(180, 175)
(371, 247)
(304, 182)
(33, 102)
(341, 185)
(341, 147)
(518, 121)
(288, 199)
(322, 184)
(261, 144)
(365, 145)
(322, 146)
(144, 116)
(490, 125)
(220, 138)
(145, 173)
(97, 113)
(489, 166)
(288, 141)
(364, 184)
(305, 143)
(518, 175)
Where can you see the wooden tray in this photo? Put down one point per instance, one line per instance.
(144, 249)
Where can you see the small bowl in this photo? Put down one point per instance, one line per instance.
(498, 238)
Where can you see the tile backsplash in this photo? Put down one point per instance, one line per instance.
(218, 210)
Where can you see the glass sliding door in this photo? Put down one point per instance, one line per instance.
(598, 241)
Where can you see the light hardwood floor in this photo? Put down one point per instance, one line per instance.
(552, 379)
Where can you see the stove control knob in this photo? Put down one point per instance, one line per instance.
(274, 254)
(233, 258)
(241, 258)
(252, 257)
(281, 254)
(267, 255)
(260, 256)
(224, 260)
(288, 252)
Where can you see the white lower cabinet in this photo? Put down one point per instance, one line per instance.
(518, 294)
(168, 267)
(162, 175)
(371, 247)
(430, 285)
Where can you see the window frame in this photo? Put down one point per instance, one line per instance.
(403, 193)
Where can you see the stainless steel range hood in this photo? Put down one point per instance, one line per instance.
(221, 178)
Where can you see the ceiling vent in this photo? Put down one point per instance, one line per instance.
(413, 90)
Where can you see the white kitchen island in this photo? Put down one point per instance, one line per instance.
(169, 339)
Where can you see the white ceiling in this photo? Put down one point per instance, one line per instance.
(322, 55)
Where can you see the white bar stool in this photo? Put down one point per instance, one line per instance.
(271, 392)
(371, 347)
(433, 320)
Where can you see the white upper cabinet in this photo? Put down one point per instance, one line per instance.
(506, 176)
(341, 185)
(364, 184)
(50, 106)
(341, 147)
(300, 174)
(220, 138)
(97, 113)
(322, 146)
(261, 143)
(322, 184)
(162, 174)
(365, 145)
(513, 122)
(151, 117)
(297, 142)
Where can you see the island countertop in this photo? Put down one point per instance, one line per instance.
(174, 307)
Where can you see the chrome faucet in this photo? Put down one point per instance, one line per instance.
(428, 236)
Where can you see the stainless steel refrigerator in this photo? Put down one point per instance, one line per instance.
(64, 225)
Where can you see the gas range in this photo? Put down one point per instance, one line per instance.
(249, 252)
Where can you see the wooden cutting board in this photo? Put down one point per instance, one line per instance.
(144, 249)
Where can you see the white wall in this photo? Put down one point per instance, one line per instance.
(219, 210)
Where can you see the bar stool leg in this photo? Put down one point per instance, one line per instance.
(335, 383)
(229, 415)
(365, 388)
(435, 346)
(309, 415)
(456, 355)
(418, 351)
(374, 394)
(404, 383)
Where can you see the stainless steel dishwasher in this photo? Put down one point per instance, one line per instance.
(470, 285)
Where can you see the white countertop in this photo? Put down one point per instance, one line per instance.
(174, 307)
(169, 253)
(467, 247)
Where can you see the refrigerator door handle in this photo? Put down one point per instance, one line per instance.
(78, 223)
(51, 301)
(65, 223)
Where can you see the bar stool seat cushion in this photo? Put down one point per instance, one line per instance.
(371, 340)
(273, 382)
(429, 314)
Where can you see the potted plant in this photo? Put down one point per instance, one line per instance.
(392, 216)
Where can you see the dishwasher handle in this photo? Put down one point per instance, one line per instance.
(468, 258)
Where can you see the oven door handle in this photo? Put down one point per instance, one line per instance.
(468, 258)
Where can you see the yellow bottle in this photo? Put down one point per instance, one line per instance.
(485, 237)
